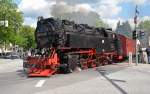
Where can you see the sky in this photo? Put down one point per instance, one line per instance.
(110, 11)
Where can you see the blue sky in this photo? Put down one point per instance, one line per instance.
(128, 10)
(111, 11)
(17, 1)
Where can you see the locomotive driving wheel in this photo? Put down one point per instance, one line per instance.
(83, 64)
(72, 63)
(105, 62)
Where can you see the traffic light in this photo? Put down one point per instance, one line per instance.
(141, 34)
(134, 34)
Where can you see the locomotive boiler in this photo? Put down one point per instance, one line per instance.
(63, 33)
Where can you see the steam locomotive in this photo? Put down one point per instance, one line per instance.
(64, 46)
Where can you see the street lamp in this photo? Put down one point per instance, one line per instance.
(135, 33)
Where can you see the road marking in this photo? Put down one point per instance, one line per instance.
(40, 83)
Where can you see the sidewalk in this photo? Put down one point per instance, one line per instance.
(10, 65)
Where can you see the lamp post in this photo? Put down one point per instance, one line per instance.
(136, 51)
(136, 33)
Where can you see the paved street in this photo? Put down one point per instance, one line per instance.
(111, 79)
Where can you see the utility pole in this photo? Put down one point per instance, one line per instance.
(136, 48)
(136, 39)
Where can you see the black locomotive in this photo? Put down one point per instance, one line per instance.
(65, 46)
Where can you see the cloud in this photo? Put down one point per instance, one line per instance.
(78, 10)
(109, 8)
(74, 2)
(82, 11)
(138, 2)
(113, 22)
(85, 8)
(111, 2)
(30, 21)
(107, 11)
(146, 18)
(34, 8)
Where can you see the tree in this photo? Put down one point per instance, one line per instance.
(9, 12)
(100, 23)
(124, 29)
(26, 37)
(145, 25)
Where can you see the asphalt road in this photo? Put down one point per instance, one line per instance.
(110, 79)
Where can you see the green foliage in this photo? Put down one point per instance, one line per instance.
(124, 28)
(100, 23)
(15, 33)
(9, 12)
(26, 37)
(145, 25)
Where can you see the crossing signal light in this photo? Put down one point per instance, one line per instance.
(142, 33)
(134, 35)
